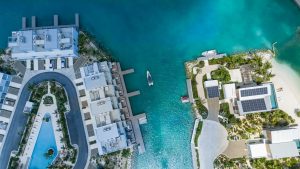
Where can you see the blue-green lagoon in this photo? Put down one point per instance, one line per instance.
(160, 35)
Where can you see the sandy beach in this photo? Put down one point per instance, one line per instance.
(289, 96)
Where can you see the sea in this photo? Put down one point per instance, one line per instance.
(159, 36)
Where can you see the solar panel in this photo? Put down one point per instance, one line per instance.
(212, 92)
(253, 105)
(253, 92)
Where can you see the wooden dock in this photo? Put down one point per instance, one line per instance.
(77, 19)
(55, 20)
(134, 119)
(128, 71)
(33, 21)
(135, 93)
(24, 23)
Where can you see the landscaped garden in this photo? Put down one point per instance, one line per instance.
(253, 124)
(260, 69)
(71, 153)
(260, 163)
(221, 74)
(48, 100)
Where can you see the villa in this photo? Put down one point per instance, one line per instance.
(107, 126)
(276, 144)
(45, 48)
(250, 99)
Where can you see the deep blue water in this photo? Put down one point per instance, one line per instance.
(45, 141)
(159, 35)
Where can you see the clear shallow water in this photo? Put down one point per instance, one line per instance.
(160, 35)
(45, 141)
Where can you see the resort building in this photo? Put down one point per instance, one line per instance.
(8, 92)
(41, 43)
(250, 99)
(108, 126)
(276, 144)
(44, 48)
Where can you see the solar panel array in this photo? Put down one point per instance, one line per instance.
(253, 105)
(253, 92)
(213, 92)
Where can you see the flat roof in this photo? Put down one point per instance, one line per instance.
(95, 81)
(229, 91)
(101, 106)
(284, 150)
(258, 150)
(211, 83)
(283, 135)
(44, 42)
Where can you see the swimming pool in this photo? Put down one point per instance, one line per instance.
(44, 142)
(273, 97)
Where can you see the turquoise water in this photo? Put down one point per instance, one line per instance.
(160, 35)
(45, 141)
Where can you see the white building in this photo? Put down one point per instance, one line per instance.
(107, 120)
(41, 43)
(277, 144)
(256, 99)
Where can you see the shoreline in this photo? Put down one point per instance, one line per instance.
(286, 78)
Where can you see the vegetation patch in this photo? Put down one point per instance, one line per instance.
(253, 124)
(221, 74)
(201, 109)
(225, 163)
(48, 100)
(61, 98)
(198, 132)
(284, 163)
(90, 48)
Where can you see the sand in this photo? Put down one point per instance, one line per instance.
(286, 78)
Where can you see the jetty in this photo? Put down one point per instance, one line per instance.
(135, 120)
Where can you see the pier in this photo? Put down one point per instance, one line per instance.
(134, 119)
(135, 93)
(189, 88)
(33, 22)
(23, 22)
(128, 71)
(55, 20)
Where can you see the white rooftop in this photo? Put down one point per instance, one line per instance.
(109, 139)
(101, 106)
(286, 135)
(211, 83)
(95, 81)
(284, 150)
(229, 91)
(41, 42)
(235, 75)
(258, 150)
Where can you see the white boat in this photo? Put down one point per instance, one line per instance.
(149, 79)
(185, 99)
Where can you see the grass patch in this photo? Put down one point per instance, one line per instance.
(201, 108)
(198, 132)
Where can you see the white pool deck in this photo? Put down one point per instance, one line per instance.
(43, 109)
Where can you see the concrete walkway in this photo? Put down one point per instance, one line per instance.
(212, 142)
(199, 79)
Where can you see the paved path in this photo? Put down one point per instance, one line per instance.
(74, 120)
(212, 142)
(199, 79)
